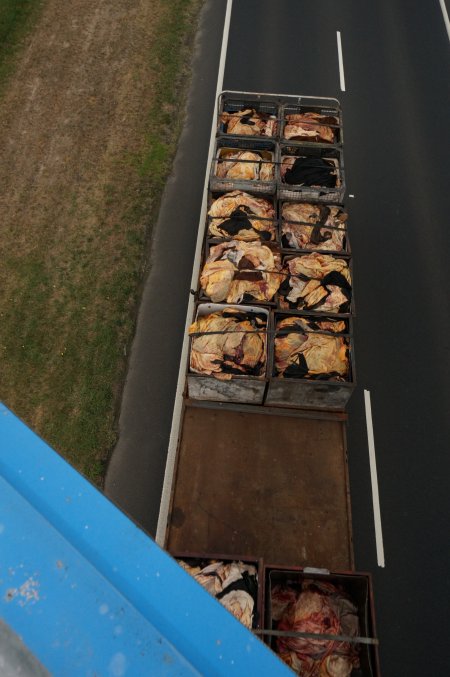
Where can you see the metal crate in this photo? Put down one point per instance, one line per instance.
(202, 560)
(289, 248)
(357, 585)
(343, 313)
(233, 102)
(267, 150)
(269, 197)
(311, 104)
(332, 155)
(247, 389)
(308, 392)
(273, 246)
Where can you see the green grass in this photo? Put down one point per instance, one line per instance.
(16, 19)
(156, 158)
(68, 303)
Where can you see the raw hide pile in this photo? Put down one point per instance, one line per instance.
(234, 584)
(318, 608)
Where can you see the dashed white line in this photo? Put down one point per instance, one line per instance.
(341, 61)
(178, 404)
(445, 15)
(374, 481)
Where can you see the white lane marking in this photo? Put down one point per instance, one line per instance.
(445, 15)
(341, 61)
(351, 196)
(178, 404)
(374, 480)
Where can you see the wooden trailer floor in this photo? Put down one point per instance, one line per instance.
(271, 486)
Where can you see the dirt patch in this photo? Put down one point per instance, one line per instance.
(88, 126)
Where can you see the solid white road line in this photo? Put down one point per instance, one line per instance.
(445, 15)
(178, 404)
(374, 480)
(341, 61)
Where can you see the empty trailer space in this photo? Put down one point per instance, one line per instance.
(272, 483)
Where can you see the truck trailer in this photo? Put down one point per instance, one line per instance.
(260, 472)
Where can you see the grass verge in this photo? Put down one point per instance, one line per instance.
(16, 19)
(80, 209)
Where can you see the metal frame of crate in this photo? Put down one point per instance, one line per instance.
(267, 149)
(241, 389)
(233, 102)
(336, 255)
(309, 392)
(320, 105)
(289, 250)
(200, 559)
(273, 246)
(214, 195)
(303, 192)
(357, 584)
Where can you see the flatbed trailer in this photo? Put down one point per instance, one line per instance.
(259, 471)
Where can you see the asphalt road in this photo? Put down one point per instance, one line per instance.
(396, 103)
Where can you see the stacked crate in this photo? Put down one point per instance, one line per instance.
(256, 609)
(263, 144)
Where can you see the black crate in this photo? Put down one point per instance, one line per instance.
(331, 155)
